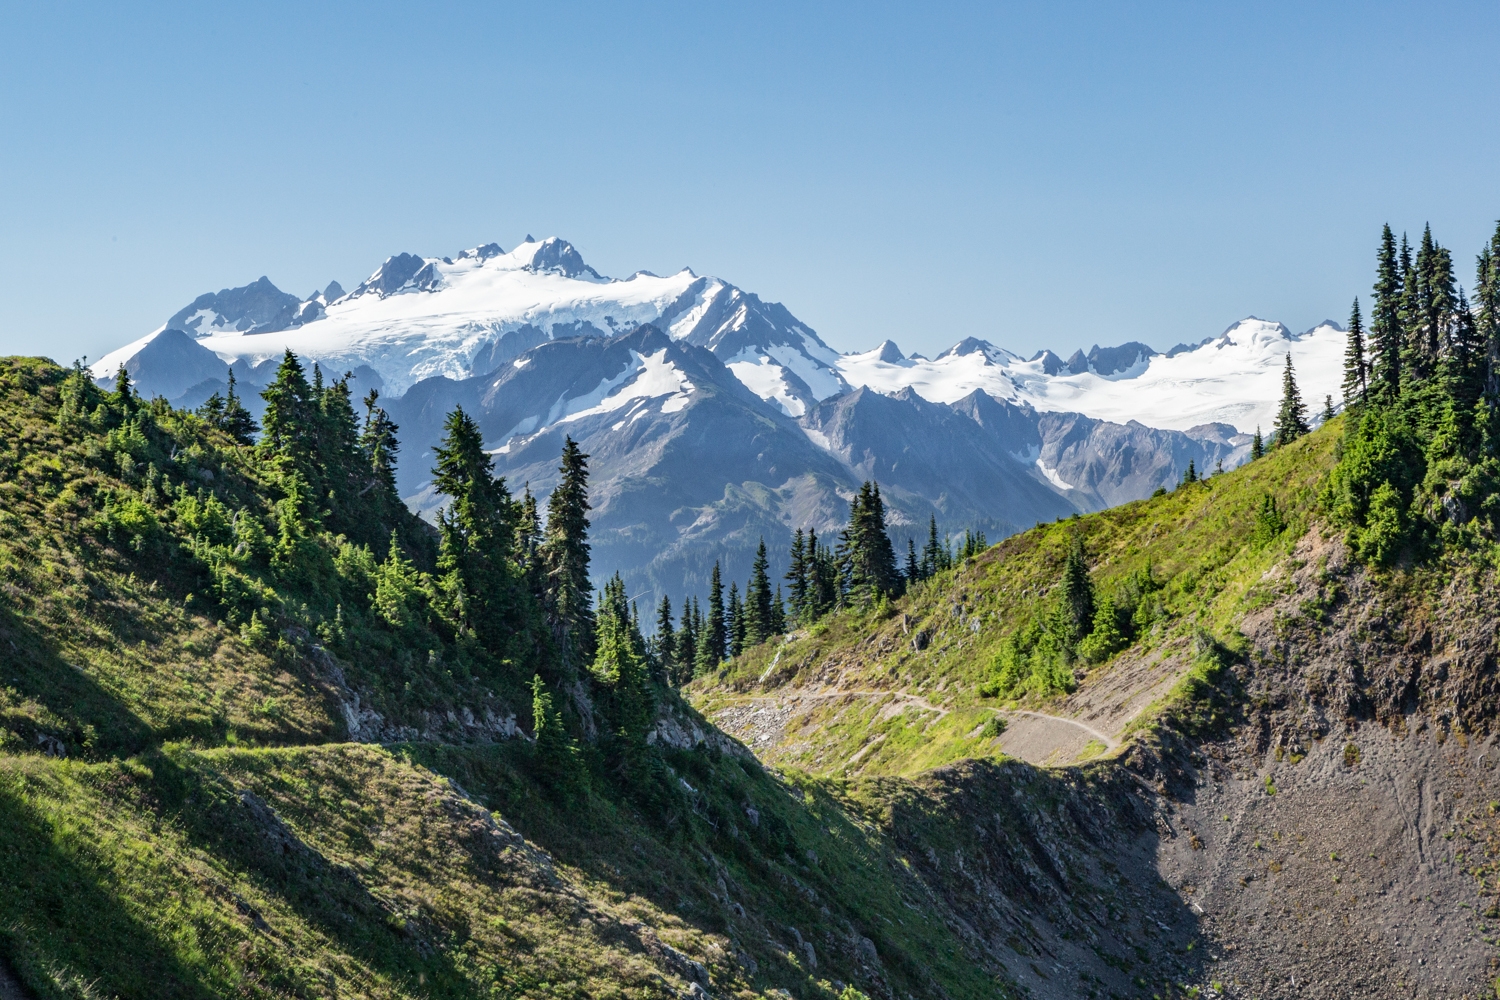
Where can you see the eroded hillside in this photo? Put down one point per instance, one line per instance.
(1297, 750)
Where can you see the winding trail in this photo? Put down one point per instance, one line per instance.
(789, 698)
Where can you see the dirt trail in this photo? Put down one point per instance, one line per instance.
(1036, 737)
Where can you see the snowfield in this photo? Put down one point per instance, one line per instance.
(416, 318)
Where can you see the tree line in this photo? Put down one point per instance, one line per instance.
(859, 570)
(1420, 460)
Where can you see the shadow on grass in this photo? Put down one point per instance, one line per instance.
(246, 834)
(81, 717)
(62, 927)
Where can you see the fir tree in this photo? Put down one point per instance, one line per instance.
(913, 568)
(869, 560)
(1327, 413)
(1191, 475)
(124, 396)
(565, 552)
(757, 608)
(797, 578)
(687, 644)
(1076, 592)
(556, 756)
(1487, 319)
(1291, 419)
(735, 621)
(377, 441)
(619, 665)
(1257, 445)
(1356, 372)
(934, 555)
(714, 636)
(778, 614)
(666, 638)
(1385, 318)
(477, 536)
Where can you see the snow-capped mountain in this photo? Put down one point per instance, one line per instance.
(715, 419)
(1234, 378)
(418, 317)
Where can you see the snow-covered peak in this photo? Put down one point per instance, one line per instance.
(1234, 378)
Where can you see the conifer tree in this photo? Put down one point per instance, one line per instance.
(778, 614)
(619, 664)
(1191, 475)
(717, 642)
(1327, 413)
(1291, 419)
(1385, 318)
(228, 413)
(687, 644)
(477, 536)
(124, 396)
(555, 754)
(565, 552)
(757, 607)
(867, 556)
(666, 638)
(377, 440)
(1076, 591)
(1257, 445)
(735, 621)
(934, 555)
(1487, 319)
(796, 576)
(290, 418)
(913, 571)
(1356, 372)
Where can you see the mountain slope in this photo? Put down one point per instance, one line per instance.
(1312, 739)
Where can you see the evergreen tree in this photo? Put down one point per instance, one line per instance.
(555, 754)
(237, 421)
(757, 607)
(565, 553)
(868, 558)
(1327, 413)
(797, 577)
(666, 638)
(1076, 592)
(378, 442)
(124, 396)
(1191, 475)
(1356, 382)
(1385, 318)
(735, 621)
(477, 537)
(823, 584)
(913, 568)
(778, 614)
(1487, 319)
(687, 644)
(619, 664)
(290, 420)
(1257, 445)
(934, 555)
(1291, 419)
(714, 636)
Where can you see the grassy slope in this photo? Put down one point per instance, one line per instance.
(208, 833)
(1197, 540)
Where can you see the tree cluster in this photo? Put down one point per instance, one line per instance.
(1419, 466)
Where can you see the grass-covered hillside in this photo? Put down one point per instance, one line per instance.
(264, 735)
(907, 685)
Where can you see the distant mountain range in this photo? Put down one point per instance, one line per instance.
(714, 418)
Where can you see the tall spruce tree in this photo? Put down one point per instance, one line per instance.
(934, 554)
(1356, 371)
(717, 641)
(1487, 317)
(378, 442)
(869, 558)
(687, 644)
(1291, 418)
(1385, 318)
(734, 622)
(797, 578)
(757, 608)
(565, 552)
(666, 639)
(476, 537)
(1076, 592)
(913, 571)
(1257, 445)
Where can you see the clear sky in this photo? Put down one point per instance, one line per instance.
(1047, 175)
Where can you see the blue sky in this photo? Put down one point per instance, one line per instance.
(1048, 175)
